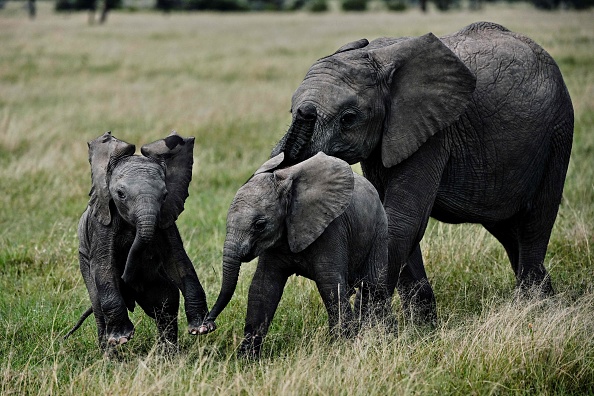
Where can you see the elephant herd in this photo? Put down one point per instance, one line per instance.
(476, 126)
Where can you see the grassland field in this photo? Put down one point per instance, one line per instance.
(227, 79)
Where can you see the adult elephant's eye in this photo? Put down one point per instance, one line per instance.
(260, 225)
(121, 194)
(348, 119)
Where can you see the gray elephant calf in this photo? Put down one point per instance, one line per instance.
(130, 248)
(316, 219)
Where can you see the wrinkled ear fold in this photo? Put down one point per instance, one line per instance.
(103, 151)
(322, 188)
(353, 45)
(177, 154)
(271, 164)
(430, 88)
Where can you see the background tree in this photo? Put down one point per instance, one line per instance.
(90, 5)
(354, 5)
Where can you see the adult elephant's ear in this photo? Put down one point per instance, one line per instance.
(104, 151)
(321, 190)
(177, 153)
(429, 87)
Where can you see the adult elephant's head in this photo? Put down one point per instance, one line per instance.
(147, 191)
(393, 93)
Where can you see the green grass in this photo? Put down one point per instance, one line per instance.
(227, 80)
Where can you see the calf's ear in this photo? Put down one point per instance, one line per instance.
(271, 164)
(177, 155)
(104, 152)
(321, 189)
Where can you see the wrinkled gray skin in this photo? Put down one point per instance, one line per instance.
(130, 248)
(475, 127)
(316, 219)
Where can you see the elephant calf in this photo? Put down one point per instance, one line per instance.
(316, 219)
(130, 248)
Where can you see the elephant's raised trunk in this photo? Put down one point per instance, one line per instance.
(145, 232)
(231, 266)
(300, 133)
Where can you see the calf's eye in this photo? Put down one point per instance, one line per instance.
(348, 119)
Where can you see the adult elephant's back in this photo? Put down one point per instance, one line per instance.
(516, 133)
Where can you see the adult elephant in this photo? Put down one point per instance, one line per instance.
(473, 127)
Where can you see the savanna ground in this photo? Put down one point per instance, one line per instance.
(227, 80)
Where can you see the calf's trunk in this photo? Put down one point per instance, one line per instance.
(145, 231)
(231, 266)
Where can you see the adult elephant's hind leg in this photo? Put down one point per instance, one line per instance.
(525, 238)
(526, 235)
(537, 223)
(532, 276)
(534, 232)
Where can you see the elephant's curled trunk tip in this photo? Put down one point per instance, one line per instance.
(299, 134)
(83, 317)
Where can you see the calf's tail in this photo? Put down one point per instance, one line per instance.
(83, 317)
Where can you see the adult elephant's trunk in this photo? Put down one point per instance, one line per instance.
(145, 232)
(300, 133)
(231, 266)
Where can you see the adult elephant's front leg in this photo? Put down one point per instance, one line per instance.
(416, 294)
(410, 193)
(406, 227)
(265, 293)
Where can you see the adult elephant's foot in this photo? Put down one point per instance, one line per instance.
(535, 284)
(119, 335)
(541, 290)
